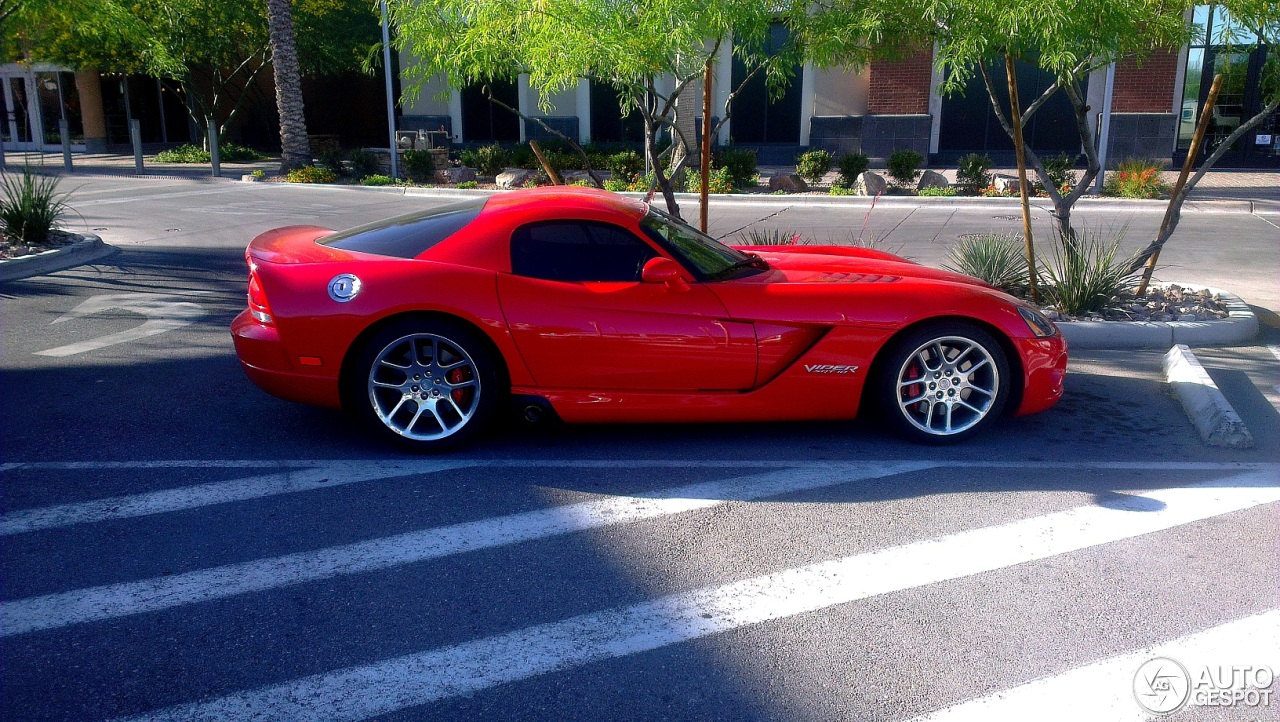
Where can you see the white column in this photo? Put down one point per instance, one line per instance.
(723, 86)
(808, 95)
(935, 105)
(1105, 135)
(522, 94)
(455, 113)
(583, 103)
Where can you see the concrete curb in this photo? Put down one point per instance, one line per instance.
(1208, 409)
(1240, 326)
(88, 249)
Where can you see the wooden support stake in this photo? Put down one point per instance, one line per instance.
(556, 180)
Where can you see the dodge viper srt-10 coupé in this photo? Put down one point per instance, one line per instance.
(593, 307)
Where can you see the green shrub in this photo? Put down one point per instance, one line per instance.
(377, 180)
(813, 165)
(487, 159)
(717, 181)
(522, 157)
(937, 191)
(468, 184)
(617, 185)
(1061, 171)
(333, 160)
(769, 237)
(625, 166)
(1135, 178)
(418, 165)
(973, 173)
(839, 189)
(31, 206)
(1089, 278)
(903, 167)
(259, 174)
(363, 163)
(851, 166)
(740, 164)
(997, 258)
(227, 153)
(311, 174)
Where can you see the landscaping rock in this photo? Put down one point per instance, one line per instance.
(870, 183)
(932, 179)
(574, 176)
(789, 182)
(1005, 183)
(455, 175)
(513, 178)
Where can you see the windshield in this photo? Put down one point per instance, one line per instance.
(708, 258)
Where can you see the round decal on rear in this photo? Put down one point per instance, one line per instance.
(344, 287)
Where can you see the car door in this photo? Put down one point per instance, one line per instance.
(582, 318)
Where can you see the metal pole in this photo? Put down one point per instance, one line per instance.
(135, 137)
(213, 148)
(1104, 135)
(3, 161)
(64, 131)
(391, 101)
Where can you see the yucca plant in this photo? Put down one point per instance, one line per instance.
(997, 258)
(31, 206)
(769, 237)
(1087, 277)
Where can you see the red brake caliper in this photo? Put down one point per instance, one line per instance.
(456, 377)
(913, 390)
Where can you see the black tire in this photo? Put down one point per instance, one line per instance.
(964, 383)
(425, 384)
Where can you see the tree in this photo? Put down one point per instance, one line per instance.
(1253, 24)
(1067, 40)
(649, 51)
(213, 51)
(295, 150)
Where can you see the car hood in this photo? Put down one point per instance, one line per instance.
(838, 265)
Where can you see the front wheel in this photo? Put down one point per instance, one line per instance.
(943, 383)
(428, 385)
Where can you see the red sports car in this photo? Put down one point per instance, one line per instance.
(599, 308)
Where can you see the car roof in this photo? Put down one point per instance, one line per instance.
(564, 199)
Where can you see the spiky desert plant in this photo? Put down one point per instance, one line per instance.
(31, 206)
(1089, 277)
(996, 258)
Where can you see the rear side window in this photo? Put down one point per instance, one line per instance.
(574, 251)
(409, 235)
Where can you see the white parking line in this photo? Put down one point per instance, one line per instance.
(216, 492)
(1105, 690)
(361, 692)
(117, 600)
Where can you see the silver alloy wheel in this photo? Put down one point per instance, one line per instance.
(424, 387)
(947, 385)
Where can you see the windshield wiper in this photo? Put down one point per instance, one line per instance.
(751, 261)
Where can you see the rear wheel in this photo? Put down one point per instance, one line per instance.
(427, 384)
(943, 383)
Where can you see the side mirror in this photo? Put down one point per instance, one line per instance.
(661, 270)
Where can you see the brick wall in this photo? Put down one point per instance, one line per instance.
(900, 86)
(1146, 88)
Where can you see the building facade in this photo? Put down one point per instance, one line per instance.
(891, 105)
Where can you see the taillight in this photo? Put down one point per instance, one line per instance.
(258, 306)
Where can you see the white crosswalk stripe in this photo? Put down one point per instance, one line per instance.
(393, 684)
(106, 602)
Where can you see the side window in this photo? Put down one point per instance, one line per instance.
(575, 251)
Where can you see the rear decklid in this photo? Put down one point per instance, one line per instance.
(294, 244)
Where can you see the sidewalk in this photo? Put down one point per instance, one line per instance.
(1231, 184)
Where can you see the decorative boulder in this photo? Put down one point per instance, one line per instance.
(870, 184)
(932, 179)
(513, 178)
(789, 182)
(455, 175)
(1005, 183)
(574, 176)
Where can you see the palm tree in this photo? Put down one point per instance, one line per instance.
(295, 150)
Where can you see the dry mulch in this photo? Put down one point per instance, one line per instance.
(1162, 303)
(9, 248)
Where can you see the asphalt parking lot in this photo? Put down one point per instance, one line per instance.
(179, 545)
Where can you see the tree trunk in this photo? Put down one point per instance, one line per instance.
(1016, 108)
(295, 149)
